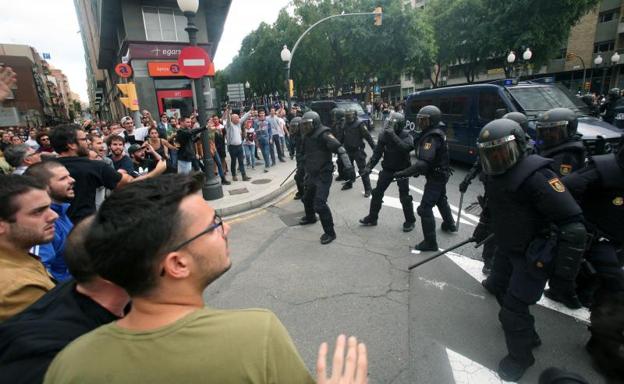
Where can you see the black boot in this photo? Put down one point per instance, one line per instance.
(327, 222)
(326, 238)
(298, 196)
(520, 337)
(408, 212)
(367, 193)
(448, 227)
(305, 220)
(448, 221)
(347, 185)
(225, 181)
(429, 243)
(368, 221)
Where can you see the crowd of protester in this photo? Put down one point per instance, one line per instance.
(106, 247)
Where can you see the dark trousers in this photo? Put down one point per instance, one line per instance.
(385, 179)
(609, 275)
(359, 157)
(435, 195)
(300, 178)
(276, 146)
(315, 199)
(237, 154)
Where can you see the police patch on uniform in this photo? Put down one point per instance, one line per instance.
(618, 201)
(427, 146)
(556, 184)
(565, 169)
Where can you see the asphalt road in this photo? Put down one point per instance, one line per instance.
(433, 325)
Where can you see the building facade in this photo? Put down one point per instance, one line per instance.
(41, 96)
(148, 35)
(598, 33)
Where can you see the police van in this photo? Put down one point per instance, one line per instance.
(324, 107)
(467, 108)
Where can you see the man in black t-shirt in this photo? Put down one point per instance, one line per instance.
(121, 161)
(142, 166)
(70, 142)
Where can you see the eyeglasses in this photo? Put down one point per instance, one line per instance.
(217, 222)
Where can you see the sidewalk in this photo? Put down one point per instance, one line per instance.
(241, 196)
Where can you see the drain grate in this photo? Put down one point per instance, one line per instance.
(261, 181)
(238, 191)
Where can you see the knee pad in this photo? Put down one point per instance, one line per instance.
(424, 212)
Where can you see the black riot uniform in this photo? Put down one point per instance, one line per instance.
(355, 132)
(599, 188)
(432, 160)
(490, 248)
(609, 106)
(337, 129)
(318, 145)
(557, 140)
(296, 139)
(538, 226)
(394, 144)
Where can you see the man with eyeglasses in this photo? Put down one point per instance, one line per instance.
(20, 157)
(169, 335)
(43, 139)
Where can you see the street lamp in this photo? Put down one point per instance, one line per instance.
(247, 85)
(211, 189)
(615, 59)
(286, 57)
(526, 56)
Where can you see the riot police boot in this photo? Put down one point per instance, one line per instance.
(563, 292)
(347, 185)
(298, 196)
(327, 238)
(339, 178)
(448, 227)
(367, 193)
(368, 221)
(305, 220)
(520, 339)
(429, 243)
(408, 212)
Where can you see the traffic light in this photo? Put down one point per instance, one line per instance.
(131, 100)
(378, 16)
(291, 88)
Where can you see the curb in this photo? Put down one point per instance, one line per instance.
(257, 202)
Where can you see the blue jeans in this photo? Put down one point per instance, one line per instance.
(249, 154)
(217, 160)
(263, 142)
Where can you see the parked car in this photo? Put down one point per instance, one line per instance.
(467, 108)
(324, 107)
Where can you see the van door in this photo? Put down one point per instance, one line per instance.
(490, 101)
(455, 110)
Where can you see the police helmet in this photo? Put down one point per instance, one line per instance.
(519, 118)
(614, 93)
(310, 122)
(396, 122)
(337, 115)
(555, 127)
(501, 145)
(294, 125)
(428, 117)
(350, 115)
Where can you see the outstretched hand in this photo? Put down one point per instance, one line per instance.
(352, 370)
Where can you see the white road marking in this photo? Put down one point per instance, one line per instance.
(395, 202)
(466, 371)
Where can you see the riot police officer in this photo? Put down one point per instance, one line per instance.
(537, 225)
(609, 106)
(337, 129)
(355, 132)
(318, 145)
(297, 147)
(395, 144)
(557, 140)
(433, 162)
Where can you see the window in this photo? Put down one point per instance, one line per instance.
(164, 24)
(489, 103)
(603, 46)
(415, 105)
(455, 105)
(606, 16)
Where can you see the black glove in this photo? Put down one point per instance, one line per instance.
(407, 172)
(463, 186)
(349, 173)
(480, 233)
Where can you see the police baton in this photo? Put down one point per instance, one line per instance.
(288, 177)
(438, 254)
(461, 203)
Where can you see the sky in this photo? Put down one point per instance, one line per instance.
(51, 26)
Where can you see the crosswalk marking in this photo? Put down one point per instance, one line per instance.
(466, 371)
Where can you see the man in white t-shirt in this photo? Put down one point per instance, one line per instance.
(131, 134)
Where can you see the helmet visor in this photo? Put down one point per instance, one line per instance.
(422, 122)
(549, 134)
(497, 156)
(307, 126)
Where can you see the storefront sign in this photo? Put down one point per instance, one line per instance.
(163, 69)
(160, 51)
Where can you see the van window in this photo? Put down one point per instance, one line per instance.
(489, 102)
(416, 104)
(456, 105)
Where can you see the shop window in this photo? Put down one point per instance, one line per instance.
(606, 16)
(164, 24)
(604, 46)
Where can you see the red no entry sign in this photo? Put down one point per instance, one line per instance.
(195, 63)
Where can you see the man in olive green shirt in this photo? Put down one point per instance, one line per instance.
(161, 242)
